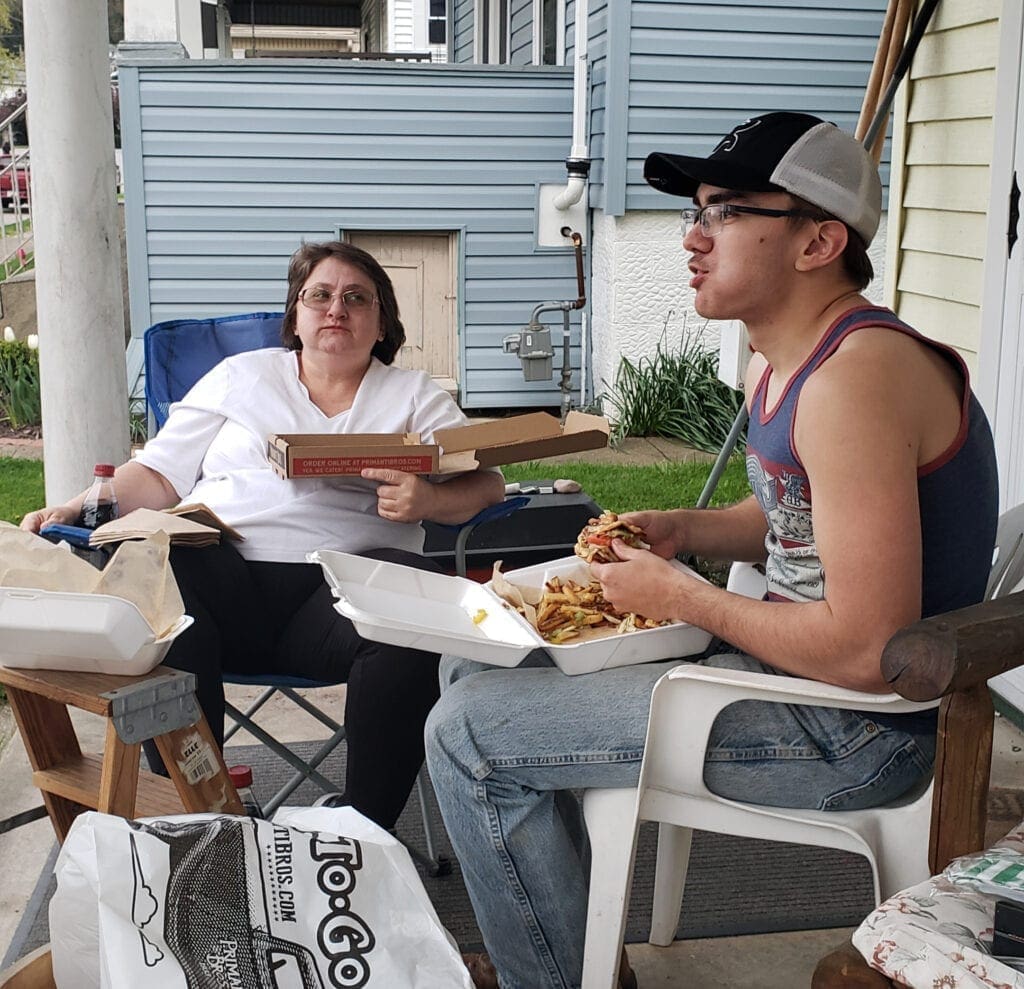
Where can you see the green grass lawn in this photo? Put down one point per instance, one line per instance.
(21, 488)
(627, 488)
(616, 488)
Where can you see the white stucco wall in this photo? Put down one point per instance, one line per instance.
(640, 289)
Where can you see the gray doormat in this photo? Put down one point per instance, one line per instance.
(733, 886)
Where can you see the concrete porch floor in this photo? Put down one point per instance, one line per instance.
(768, 961)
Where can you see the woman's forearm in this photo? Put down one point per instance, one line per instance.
(459, 499)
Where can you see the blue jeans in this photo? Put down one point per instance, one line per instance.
(504, 747)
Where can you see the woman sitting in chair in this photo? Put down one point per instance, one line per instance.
(258, 606)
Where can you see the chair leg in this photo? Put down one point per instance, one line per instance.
(435, 863)
(900, 864)
(250, 711)
(460, 549)
(428, 825)
(280, 750)
(669, 880)
(311, 709)
(611, 826)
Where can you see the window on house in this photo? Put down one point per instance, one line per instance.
(492, 32)
(551, 19)
(437, 22)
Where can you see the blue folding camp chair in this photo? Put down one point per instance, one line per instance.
(178, 353)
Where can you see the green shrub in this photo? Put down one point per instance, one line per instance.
(19, 384)
(676, 394)
(138, 424)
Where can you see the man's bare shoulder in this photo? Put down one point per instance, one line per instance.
(881, 378)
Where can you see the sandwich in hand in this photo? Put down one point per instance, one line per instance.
(594, 543)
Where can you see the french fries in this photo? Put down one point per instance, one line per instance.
(567, 608)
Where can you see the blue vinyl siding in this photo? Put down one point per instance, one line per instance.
(675, 75)
(520, 49)
(696, 68)
(463, 25)
(230, 166)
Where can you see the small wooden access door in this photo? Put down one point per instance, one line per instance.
(422, 266)
(72, 781)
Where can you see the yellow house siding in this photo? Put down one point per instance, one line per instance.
(957, 189)
(941, 276)
(923, 228)
(950, 142)
(954, 318)
(940, 215)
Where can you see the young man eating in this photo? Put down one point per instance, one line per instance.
(845, 401)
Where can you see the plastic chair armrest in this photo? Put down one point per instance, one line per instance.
(466, 529)
(687, 700)
(797, 690)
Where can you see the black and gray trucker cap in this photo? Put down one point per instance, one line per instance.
(791, 152)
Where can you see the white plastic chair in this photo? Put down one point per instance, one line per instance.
(671, 790)
(684, 705)
(1008, 559)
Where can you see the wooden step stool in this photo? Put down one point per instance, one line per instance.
(160, 705)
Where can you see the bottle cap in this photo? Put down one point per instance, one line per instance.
(240, 776)
(104, 470)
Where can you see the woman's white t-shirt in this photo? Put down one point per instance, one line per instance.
(213, 449)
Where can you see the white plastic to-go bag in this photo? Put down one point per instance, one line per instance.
(318, 898)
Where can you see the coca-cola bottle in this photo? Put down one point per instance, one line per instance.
(100, 505)
(241, 776)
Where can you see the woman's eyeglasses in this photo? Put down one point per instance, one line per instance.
(354, 300)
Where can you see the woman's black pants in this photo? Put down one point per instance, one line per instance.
(278, 618)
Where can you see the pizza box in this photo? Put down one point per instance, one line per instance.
(486, 444)
(403, 606)
(88, 633)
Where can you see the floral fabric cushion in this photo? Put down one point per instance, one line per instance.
(939, 934)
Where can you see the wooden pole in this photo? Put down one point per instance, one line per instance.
(874, 87)
(904, 10)
(963, 763)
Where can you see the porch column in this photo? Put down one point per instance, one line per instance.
(165, 20)
(78, 271)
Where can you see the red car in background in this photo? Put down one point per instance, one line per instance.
(14, 181)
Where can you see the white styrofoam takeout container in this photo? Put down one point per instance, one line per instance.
(403, 606)
(646, 645)
(86, 633)
(387, 602)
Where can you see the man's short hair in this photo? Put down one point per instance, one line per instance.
(857, 266)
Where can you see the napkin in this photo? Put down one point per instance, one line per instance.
(139, 572)
(186, 525)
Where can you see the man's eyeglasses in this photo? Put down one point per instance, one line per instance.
(713, 216)
(354, 300)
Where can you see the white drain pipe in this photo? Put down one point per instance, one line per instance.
(578, 162)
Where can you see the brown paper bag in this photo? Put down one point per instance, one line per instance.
(139, 572)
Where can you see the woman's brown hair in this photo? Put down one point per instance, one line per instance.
(307, 257)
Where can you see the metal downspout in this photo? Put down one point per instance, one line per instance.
(578, 162)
